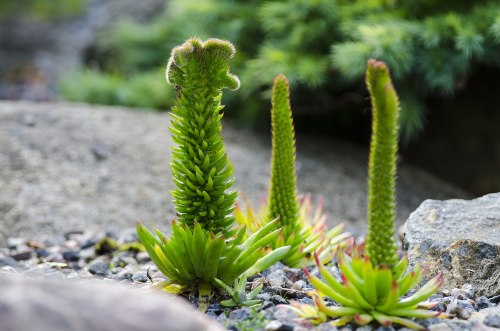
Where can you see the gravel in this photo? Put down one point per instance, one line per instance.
(71, 256)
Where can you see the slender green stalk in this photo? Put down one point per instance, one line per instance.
(381, 245)
(283, 186)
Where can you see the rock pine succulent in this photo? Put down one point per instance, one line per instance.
(303, 231)
(203, 244)
(373, 282)
(238, 294)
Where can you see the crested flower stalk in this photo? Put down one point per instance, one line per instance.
(201, 170)
(203, 245)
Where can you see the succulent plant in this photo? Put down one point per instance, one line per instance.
(373, 281)
(303, 232)
(306, 312)
(367, 292)
(313, 236)
(239, 297)
(204, 245)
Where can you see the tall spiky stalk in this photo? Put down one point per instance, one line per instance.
(201, 170)
(374, 281)
(283, 187)
(202, 249)
(381, 245)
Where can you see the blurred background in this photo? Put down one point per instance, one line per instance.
(444, 57)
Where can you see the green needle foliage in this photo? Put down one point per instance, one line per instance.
(304, 233)
(373, 281)
(322, 46)
(203, 245)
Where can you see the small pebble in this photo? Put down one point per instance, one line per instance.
(142, 257)
(495, 299)
(240, 314)
(8, 261)
(263, 296)
(100, 152)
(22, 256)
(71, 256)
(140, 277)
(41, 252)
(266, 305)
(440, 327)
(326, 327)
(88, 243)
(293, 274)
(13, 243)
(278, 300)
(98, 268)
(492, 321)
(298, 285)
(277, 278)
(364, 328)
(385, 328)
(278, 326)
(483, 302)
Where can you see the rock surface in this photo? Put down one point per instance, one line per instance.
(34, 304)
(461, 238)
(71, 167)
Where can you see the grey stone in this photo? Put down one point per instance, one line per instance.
(52, 182)
(140, 277)
(99, 268)
(440, 327)
(364, 328)
(492, 320)
(483, 302)
(326, 327)
(71, 256)
(22, 255)
(385, 328)
(43, 305)
(461, 238)
(240, 314)
(298, 285)
(278, 300)
(8, 261)
(276, 278)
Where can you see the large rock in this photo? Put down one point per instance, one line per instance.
(42, 305)
(460, 238)
(68, 167)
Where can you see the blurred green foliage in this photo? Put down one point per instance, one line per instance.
(322, 46)
(42, 9)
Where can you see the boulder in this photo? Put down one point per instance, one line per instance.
(460, 238)
(28, 304)
(66, 167)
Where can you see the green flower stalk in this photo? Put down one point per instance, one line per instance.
(283, 184)
(303, 231)
(203, 245)
(381, 246)
(201, 170)
(373, 281)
